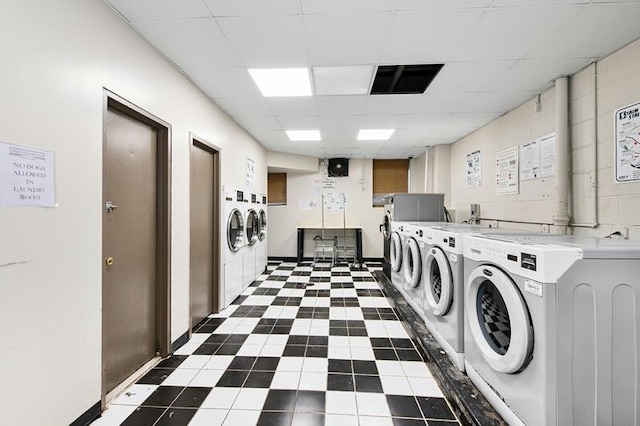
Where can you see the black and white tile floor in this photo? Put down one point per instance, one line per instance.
(304, 345)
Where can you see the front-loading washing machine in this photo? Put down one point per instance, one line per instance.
(398, 237)
(551, 334)
(413, 251)
(251, 234)
(235, 240)
(261, 244)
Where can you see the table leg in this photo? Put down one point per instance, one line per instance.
(359, 246)
(300, 248)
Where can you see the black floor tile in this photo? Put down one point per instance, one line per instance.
(318, 341)
(385, 354)
(402, 343)
(340, 366)
(266, 363)
(172, 362)
(381, 342)
(409, 422)
(317, 352)
(176, 417)
(435, 408)
(163, 396)
(237, 338)
(368, 383)
(408, 355)
(280, 400)
(308, 419)
(358, 332)
(155, 376)
(310, 401)
(404, 406)
(228, 349)
(275, 419)
(217, 338)
(242, 363)
(191, 397)
(294, 350)
(297, 340)
(207, 349)
(340, 382)
(259, 379)
(365, 367)
(143, 416)
(231, 378)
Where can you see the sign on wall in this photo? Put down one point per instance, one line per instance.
(474, 168)
(250, 174)
(26, 177)
(335, 201)
(507, 181)
(538, 157)
(627, 139)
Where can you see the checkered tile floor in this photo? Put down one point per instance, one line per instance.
(304, 345)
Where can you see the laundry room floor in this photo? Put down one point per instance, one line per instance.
(303, 345)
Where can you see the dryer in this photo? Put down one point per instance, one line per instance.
(251, 238)
(234, 238)
(261, 244)
(551, 327)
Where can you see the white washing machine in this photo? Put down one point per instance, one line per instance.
(234, 247)
(398, 237)
(251, 238)
(413, 251)
(551, 327)
(261, 244)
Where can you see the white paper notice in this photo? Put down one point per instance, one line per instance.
(308, 204)
(250, 174)
(474, 168)
(530, 160)
(548, 155)
(27, 177)
(627, 139)
(507, 171)
(335, 201)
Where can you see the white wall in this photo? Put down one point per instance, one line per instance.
(591, 121)
(283, 220)
(57, 57)
(417, 173)
(285, 162)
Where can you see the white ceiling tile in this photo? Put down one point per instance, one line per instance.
(534, 74)
(348, 105)
(299, 122)
(381, 121)
(441, 141)
(425, 37)
(221, 8)
(154, 10)
(345, 6)
(352, 80)
(596, 32)
(294, 106)
(346, 39)
(340, 122)
(244, 106)
(257, 123)
(267, 42)
(193, 43)
(441, 4)
(455, 120)
(272, 137)
(409, 135)
(338, 152)
(224, 82)
(445, 133)
(466, 76)
(391, 104)
(513, 3)
(492, 102)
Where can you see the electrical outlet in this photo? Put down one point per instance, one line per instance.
(492, 223)
(625, 232)
(544, 228)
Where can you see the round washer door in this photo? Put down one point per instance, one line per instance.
(498, 319)
(235, 230)
(439, 290)
(386, 226)
(252, 227)
(395, 252)
(412, 262)
(262, 225)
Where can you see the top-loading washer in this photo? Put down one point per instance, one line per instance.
(551, 334)
(234, 247)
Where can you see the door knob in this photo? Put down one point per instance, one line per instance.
(110, 206)
(109, 261)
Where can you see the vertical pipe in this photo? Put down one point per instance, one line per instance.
(594, 152)
(561, 209)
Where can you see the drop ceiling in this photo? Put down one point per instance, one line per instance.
(496, 55)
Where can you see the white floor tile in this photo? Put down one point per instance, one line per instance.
(340, 420)
(272, 350)
(244, 329)
(180, 378)
(290, 363)
(396, 385)
(241, 417)
(309, 301)
(339, 341)
(390, 368)
(323, 302)
(338, 313)
(250, 399)
(206, 378)
(286, 380)
(135, 395)
(114, 415)
(372, 404)
(415, 369)
(250, 350)
(315, 365)
(354, 314)
(277, 339)
(199, 337)
(425, 387)
(341, 402)
(359, 342)
(222, 398)
(195, 362)
(225, 329)
(256, 339)
(273, 312)
(363, 354)
(375, 421)
(209, 417)
(313, 381)
(289, 312)
(339, 352)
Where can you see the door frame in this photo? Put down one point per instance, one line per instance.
(111, 101)
(196, 142)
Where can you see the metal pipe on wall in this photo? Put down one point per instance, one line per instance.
(561, 208)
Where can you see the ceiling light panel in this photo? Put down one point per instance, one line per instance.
(303, 135)
(252, 7)
(267, 42)
(195, 43)
(154, 10)
(278, 82)
(375, 134)
(353, 80)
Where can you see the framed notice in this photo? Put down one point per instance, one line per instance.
(627, 140)
(474, 168)
(27, 177)
(507, 181)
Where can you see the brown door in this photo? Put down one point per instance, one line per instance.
(204, 207)
(130, 290)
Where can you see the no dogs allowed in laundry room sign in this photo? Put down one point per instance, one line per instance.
(627, 138)
(26, 177)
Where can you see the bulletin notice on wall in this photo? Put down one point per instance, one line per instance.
(627, 137)
(250, 174)
(27, 177)
(507, 179)
(335, 201)
(474, 168)
(538, 157)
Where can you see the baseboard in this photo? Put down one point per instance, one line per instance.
(180, 341)
(88, 416)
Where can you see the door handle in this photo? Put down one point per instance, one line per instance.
(108, 261)
(110, 206)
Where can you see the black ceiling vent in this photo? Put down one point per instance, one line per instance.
(338, 167)
(403, 79)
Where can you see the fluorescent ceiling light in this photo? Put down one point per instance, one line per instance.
(303, 135)
(375, 134)
(274, 82)
(349, 80)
